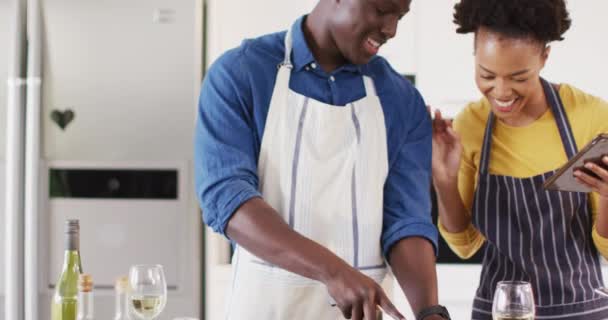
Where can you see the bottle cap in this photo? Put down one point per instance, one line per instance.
(85, 282)
(72, 226)
(122, 284)
(72, 234)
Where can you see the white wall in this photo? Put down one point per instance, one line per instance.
(581, 58)
(231, 21)
(443, 60)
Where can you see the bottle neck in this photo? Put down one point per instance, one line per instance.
(72, 241)
(71, 261)
(67, 285)
(85, 305)
(72, 251)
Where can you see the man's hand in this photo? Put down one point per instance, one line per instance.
(358, 296)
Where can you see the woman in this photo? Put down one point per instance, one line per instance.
(488, 169)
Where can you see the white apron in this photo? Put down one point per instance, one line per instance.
(323, 168)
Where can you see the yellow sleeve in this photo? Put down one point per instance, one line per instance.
(600, 242)
(599, 115)
(599, 125)
(466, 243)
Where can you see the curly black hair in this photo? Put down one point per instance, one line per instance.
(543, 20)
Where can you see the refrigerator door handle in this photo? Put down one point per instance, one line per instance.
(33, 185)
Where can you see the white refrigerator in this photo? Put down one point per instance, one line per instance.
(97, 116)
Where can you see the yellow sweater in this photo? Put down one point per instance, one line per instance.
(515, 152)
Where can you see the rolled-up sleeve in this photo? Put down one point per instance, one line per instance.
(407, 203)
(225, 164)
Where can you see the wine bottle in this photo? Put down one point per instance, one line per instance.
(85, 297)
(121, 288)
(65, 299)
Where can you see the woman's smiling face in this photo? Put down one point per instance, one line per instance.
(507, 72)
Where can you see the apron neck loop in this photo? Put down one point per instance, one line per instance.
(559, 113)
(288, 46)
(370, 89)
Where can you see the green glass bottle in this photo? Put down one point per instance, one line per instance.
(65, 300)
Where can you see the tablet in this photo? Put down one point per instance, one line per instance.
(602, 291)
(563, 179)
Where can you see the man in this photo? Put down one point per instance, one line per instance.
(313, 156)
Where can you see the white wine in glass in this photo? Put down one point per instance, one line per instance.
(513, 300)
(515, 317)
(148, 294)
(148, 306)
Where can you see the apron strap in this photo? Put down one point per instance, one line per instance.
(370, 89)
(563, 125)
(288, 46)
(487, 144)
(559, 113)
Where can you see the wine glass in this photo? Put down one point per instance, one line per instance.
(148, 293)
(603, 291)
(513, 300)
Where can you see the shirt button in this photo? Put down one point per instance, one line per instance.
(313, 65)
(307, 69)
(332, 79)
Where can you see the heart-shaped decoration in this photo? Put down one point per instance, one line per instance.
(62, 118)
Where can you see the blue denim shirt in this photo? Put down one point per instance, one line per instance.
(233, 107)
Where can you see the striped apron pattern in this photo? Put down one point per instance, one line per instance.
(323, 168)
(539, 236)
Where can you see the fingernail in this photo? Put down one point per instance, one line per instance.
(589, 165)
(576, 173)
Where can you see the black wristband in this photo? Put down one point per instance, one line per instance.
(437, 309)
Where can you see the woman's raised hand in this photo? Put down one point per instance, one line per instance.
(447, 151)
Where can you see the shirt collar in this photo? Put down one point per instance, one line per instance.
(302, 56)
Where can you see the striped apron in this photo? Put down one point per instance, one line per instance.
(323, 168)
(539, 236)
